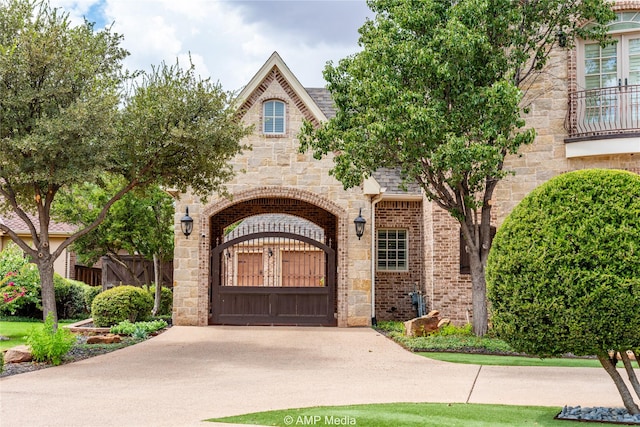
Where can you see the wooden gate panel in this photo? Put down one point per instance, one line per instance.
(271, 277)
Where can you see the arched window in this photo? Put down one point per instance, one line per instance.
(273, 118)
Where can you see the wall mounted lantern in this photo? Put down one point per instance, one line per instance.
(186, 223)
(359, 222)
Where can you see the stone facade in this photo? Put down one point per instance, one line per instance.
(275, 169)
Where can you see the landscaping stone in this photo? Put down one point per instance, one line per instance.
(422, 326)
(599, 414)
(18, 354)
(104, 339)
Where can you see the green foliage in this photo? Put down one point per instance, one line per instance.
(48, 344)
(450, 329)
(390, 326)
(71, 115)
(166, 299)
(469, 343)
(564, 270)
(139, 328)
(90, 292)
(70, 298)
(12, 259)
(121, 303)
(141, 222)
(1, 361)
(437, 92)
(20, 291)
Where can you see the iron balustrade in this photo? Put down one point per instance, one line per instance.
(606, 111)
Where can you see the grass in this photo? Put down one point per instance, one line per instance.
(17, 331)
(406, 415)
(487, 359)
(459, 345)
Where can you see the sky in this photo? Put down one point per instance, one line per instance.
(229, 40)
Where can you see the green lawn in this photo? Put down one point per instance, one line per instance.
(406, 415)
(484, 359)
(17, 331)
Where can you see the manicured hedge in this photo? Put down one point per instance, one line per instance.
(563, 274)
(121, 303)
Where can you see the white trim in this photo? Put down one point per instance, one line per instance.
(602, 147)
(276, 61)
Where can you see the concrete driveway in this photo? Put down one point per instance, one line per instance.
(188, 374)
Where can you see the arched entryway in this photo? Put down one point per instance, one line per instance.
(274, 261)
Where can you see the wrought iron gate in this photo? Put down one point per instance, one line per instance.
(273, 274)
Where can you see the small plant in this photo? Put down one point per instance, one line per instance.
(121, 303)
(1, 362)
(448, 330)
(127, 328)
(140, 333)
(390, 326)
(48, 344)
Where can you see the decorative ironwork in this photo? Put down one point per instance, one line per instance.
(605, 111)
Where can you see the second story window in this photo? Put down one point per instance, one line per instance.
(273, 118)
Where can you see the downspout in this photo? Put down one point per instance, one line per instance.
(374, 202)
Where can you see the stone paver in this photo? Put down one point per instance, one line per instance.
(188, 374)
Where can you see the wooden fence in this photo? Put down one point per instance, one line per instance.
(137, 272)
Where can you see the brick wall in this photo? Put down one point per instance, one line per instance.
(393, 287)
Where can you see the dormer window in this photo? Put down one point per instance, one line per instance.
(273, 122)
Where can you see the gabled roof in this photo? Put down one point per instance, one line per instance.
(276, 69)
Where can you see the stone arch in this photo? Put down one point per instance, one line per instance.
(277, 200)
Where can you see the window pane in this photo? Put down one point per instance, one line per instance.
(279, 125)
(592, 51)
(268, 125)
(279, 108)
(392, 250)
(268, 109)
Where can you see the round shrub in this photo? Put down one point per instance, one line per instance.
(563, 274)
(90, 292)
(121, 303)
(69, 298)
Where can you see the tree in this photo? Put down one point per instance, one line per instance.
(141, 223)
(564, 271)
(69, 114)
(436, 92)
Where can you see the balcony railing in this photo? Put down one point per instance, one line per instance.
(607, 112)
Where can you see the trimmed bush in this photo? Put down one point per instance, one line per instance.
(70, 298)
(563, 274)
(166, 299)
(90, 292)
(121, 303)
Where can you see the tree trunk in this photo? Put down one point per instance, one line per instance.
(633, 378)
(158, 279)
(627, 399)
(45, 268)
(479, 296)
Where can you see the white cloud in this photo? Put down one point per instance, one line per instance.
(230, 40)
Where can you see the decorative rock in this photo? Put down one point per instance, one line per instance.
(598, 414)
(422, 326)
(104, 339)
(443, 322)
(18, 354)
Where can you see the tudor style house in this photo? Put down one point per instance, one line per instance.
(283, 249)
